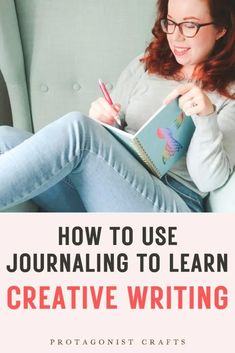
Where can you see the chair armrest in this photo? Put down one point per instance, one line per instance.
(223, 199)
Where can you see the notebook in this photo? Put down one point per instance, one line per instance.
(161, 141)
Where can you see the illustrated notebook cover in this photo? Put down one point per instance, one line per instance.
(161, 141)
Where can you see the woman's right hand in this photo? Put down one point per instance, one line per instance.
(101, 110)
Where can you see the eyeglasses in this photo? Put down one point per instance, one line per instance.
(187, 29)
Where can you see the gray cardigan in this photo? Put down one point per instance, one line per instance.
(211, 155)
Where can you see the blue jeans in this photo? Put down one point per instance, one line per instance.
(75, 165)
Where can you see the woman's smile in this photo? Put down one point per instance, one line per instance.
(180, 51)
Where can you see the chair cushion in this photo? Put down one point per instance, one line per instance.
(223, 199)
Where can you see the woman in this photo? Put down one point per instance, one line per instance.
(74, 164)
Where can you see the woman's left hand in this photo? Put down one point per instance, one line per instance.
(193, 100)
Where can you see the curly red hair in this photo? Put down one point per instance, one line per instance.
(217, 72)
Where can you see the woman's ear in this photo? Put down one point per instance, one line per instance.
(221, 32)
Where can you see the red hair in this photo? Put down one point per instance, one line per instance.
(217, 72)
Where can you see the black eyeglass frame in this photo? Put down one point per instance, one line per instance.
(198, 25)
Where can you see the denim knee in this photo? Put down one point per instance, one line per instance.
(5, 131)
(71, 118)
(11, 137)
(76, 125)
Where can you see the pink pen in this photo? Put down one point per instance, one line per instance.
(105, 92)
(107, 97)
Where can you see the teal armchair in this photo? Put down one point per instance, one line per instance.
(52, 53)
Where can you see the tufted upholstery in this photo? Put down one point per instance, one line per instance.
(53, 52)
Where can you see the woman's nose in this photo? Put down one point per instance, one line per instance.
(177, 35)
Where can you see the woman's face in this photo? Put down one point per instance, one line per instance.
(189, 52)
